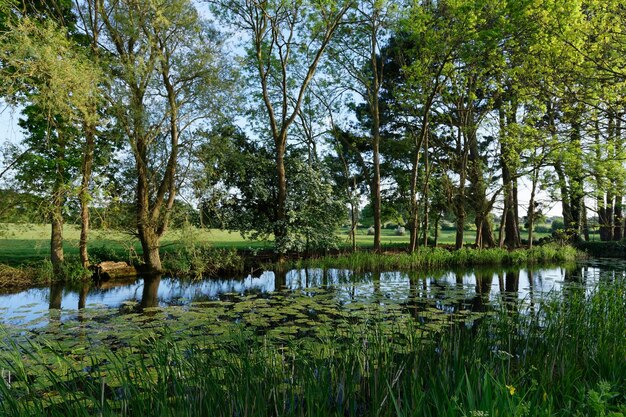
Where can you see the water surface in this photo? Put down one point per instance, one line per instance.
(449, 291)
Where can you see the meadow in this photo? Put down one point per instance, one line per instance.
(22, 244)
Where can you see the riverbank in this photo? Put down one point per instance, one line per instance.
(431, 258)
(204, 260)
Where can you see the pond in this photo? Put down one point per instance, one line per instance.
(449, 291)
(322, 342)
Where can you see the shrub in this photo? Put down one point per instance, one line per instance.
(202, 260)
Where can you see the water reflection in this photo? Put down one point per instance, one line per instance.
(474, 290)
(150, 293)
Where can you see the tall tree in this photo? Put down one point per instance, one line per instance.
(356, 56)
(46, 71)
(285, 42)
(164, 59)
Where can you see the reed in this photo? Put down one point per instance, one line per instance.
(433, 258)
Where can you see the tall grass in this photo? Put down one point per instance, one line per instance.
(565, 357)
(431, 258)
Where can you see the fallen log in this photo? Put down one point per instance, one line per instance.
(111, 269)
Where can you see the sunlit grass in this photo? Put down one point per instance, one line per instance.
(30, 243)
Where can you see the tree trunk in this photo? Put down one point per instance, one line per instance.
(280, 226)
(511, 225)
(436, 231)
(576, 182)
(460, 200)
(618, 231)
(354, 222)
(86, 168)
(56, 239)
(501, 228)
(376, 203)
(484, 232)
(373, 97)
(414, 215)
(426, 191)
(150, 248)
(56, 233)
(460, 224)
(531, 206)
(565, 200)
(583, 222)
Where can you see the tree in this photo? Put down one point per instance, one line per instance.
(165, 60)
(45, 70)
(356, 56)
(286, 41)
(421, 53)
(246, 170)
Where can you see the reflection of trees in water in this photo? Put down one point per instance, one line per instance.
(573, 273)
(418, 294)
(82, 295)
(55, 299)
(511, 285)
(280, 279)
(479, 302)
(56, 296)
(150, 293)
(511, 289)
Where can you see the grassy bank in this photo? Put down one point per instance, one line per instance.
(564, 357)
(24, 254)
(22, 244)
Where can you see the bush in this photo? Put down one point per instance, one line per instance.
(543, 228)
(106, 253)
(557, 225)
(202, 260)
(370, 231)
(400, 231)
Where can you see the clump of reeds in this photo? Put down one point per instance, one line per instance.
(433, 258)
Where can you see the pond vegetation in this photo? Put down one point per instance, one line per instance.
(335, 343)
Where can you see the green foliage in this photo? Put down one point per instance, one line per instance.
(70, 271)
(104, 253)
(557, 224)
(314, 208)
(202, 260)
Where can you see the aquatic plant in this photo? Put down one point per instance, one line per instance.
(563, 356)
(430, 258)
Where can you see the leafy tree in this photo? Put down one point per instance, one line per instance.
(357, 62)
(165, 60)
(45, 70)
(285, 42)
(246, 169)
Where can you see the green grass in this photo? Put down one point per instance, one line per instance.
(563, 357)
(23, 244)
(30, 243)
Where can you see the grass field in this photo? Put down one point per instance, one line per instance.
(29, 243)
